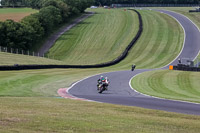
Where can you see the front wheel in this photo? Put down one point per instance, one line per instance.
(102, 89)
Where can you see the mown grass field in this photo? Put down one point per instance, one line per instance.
(40, 82)
(29, 100)
(177, 85)
(66, 116)
(15, 14)
(99, 42)
(160, 42)
(100, 38)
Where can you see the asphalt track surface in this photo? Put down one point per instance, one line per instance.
(121, 93)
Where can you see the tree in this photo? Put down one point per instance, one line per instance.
(38, 30)
(49, 17)
(64, 10)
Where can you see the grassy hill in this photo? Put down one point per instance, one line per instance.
(96, 41)
(100, 38)
(160, 42)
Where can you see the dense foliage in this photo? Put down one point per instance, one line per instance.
(31, 29)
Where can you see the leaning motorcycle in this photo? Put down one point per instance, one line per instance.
(102, 87)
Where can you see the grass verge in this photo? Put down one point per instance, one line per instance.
(100, 38)
(176, 85)
(62, 115)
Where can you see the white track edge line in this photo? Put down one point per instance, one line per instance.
(191, 22)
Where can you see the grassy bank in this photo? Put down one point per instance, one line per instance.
(11, 59)
(169, 84)
(160, 42)
(34, 83)
(61, 115)
(100, 38)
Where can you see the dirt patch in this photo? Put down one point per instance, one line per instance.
(14, 16)
(9, 121)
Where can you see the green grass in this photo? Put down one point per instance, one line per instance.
(17, 10)
(157, 46)
(100, 38)
(34, 83)
(177, 85)
(61, 115)
(11, 59)
(160, 42)
(194, 16)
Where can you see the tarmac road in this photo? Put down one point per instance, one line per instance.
(121, 93)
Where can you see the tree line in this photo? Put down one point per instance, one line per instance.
(109, 2)
(33, 28)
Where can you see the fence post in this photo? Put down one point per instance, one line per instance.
(22, 52)
(17, 51)
(0, 48)
(33, 53)
(6, 49)
(28, 52)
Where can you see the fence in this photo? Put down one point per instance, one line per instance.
(23, 52)
(18, 51)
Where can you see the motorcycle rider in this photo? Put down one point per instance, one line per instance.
(99, 82)
(107, 82)
(133, 67)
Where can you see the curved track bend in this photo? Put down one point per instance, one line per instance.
(121, 93)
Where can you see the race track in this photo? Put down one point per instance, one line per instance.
(121, 93)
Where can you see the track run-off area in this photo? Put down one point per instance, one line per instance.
(120, 90)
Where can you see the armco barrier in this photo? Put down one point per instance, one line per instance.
(117, 60)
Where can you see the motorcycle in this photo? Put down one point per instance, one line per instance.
(102, 87)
